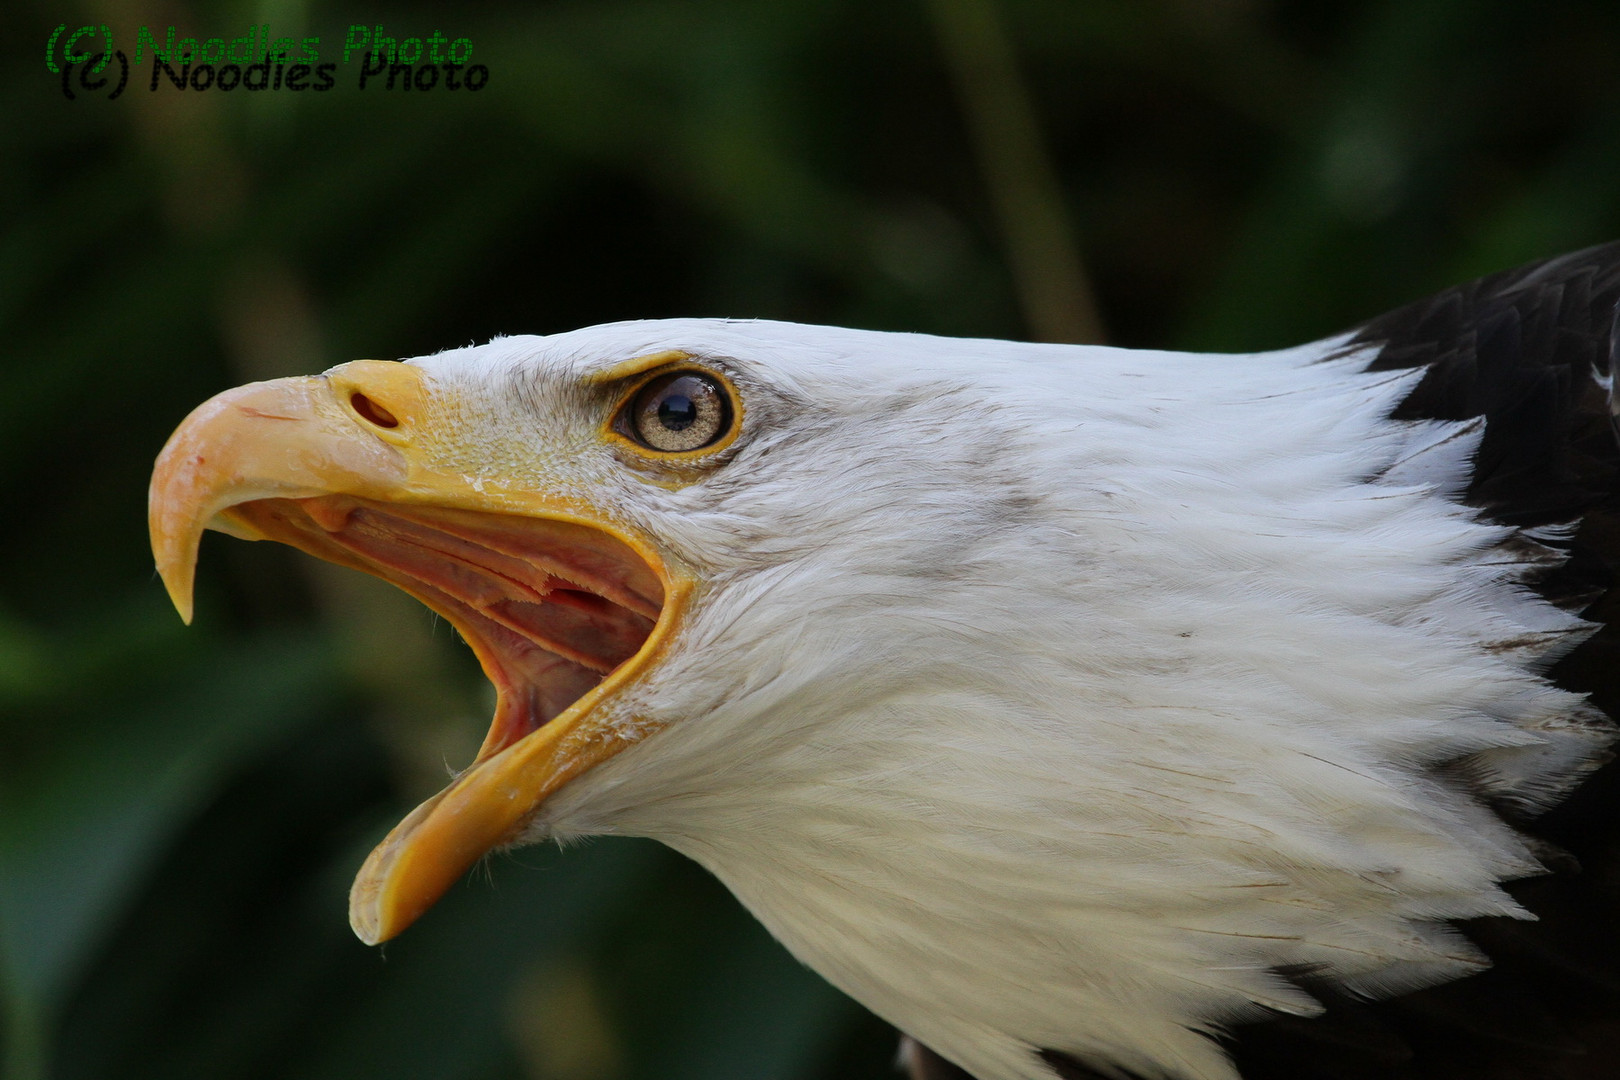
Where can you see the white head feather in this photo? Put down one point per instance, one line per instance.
(1047, 696)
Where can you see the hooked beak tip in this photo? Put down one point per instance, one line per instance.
(180, 597)
(175, 540)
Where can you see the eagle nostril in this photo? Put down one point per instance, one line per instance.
(371, 411)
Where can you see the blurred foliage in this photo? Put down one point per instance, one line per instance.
(181, 810)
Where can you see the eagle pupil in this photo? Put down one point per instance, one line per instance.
(677, 412)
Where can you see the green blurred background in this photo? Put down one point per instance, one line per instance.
(181, 810)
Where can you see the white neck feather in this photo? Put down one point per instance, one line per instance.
(1134, 700)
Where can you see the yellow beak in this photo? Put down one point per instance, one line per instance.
(562, 606)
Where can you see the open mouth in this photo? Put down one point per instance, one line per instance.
(550, 608)
(564, 607)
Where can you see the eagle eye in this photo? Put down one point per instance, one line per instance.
(683, 410)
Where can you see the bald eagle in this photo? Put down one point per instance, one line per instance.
(1085, 712)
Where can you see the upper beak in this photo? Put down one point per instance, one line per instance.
(290, 438)
(319, 461)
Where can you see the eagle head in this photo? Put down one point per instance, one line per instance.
(1043, 698)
